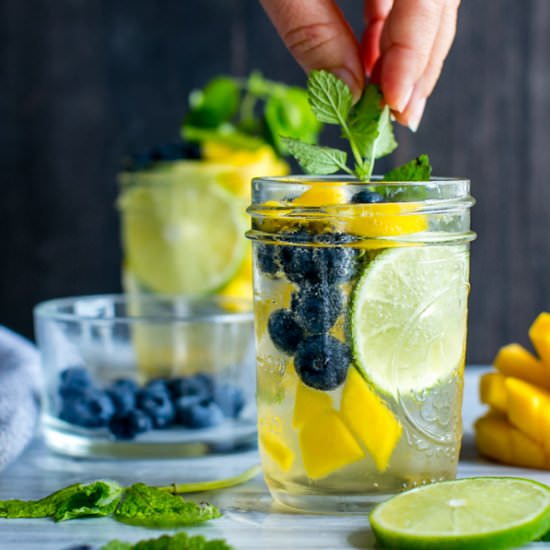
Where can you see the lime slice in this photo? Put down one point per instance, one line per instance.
(183, 232)
(474, 513)
(408, 317)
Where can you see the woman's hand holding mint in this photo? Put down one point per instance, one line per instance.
(403, 48)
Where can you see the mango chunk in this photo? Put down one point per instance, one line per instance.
(539, 333)
(369, 418)
(497, 439)
(526, 404)
(274, 446)
(309, 403)
(321, 194)
(493, 392)
(327, 445)
(514, 360)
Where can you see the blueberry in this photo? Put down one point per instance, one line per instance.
(123, 394)
(316, 307)
(193, 413)
(229, 398)
(128, 424)
(267, 256)
(284, 331)
(157, 405)
(91, 408)
(322, 362)
(315, 264)
(74, 380)
(158, 385)
(197, 385)
(367, 197)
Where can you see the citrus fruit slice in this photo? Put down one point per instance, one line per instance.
(474, 513)
(408, 317)
(183, 232)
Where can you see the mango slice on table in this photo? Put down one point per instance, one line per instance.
(493, 392)
(327, 445)
(309, 403)
(514, 360)
(275, 447)
(539, 333)
(497, 439)
(526, 404)
(370, 419)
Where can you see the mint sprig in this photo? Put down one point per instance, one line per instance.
(367, 127)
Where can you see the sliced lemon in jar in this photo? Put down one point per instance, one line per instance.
(408, 317)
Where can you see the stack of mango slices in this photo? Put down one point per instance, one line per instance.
(516, 430)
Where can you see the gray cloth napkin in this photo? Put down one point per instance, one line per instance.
(20, 385)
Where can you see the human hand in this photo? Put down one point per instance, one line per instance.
(403, 49)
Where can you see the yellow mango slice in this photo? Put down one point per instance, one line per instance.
(369, 418)
(514, 360)
(539, 333)
(385, 220)
(526, 403)
(497, 439)
(493, 392)
(321, 194)
(327, 445)
(274, 446)
(308, 404)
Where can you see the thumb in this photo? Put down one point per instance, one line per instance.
(319, 37)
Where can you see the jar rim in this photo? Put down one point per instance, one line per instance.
(352, 180)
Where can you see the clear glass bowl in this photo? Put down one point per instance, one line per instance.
(108, 358)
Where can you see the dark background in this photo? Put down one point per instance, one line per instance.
(84, 81)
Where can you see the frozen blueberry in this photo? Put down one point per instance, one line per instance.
(158, 385)
(337, 264)
(284, 331)
(316, 307)
(128, 424)
(322, 362)
(229, 398)
(197, 385)
(367, 197)
(91, 408)
(267, 256)
(157, 405)
(123, 394)
(74, 380)
(195, 414)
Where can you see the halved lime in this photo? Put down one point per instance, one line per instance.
(475, 513)
(408, 317)
(183, 233)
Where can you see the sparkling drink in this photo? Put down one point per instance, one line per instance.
(361, 307)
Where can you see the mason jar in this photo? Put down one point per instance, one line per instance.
(360, 298)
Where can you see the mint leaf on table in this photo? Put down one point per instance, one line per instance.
(418, 169)
(179, 541)
(98, 498)
(152, 507)
(315, 159)
(367, 126)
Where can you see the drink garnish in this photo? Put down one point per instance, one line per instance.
(367, 127)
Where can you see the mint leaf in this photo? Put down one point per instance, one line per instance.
(98, 498)
(418, 169)
(315, 159)
(287, 113)
(329, 97)
(152, 507)
(179, 541)
(215, 104)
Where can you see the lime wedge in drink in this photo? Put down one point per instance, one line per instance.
(474, 513)
(183, 232)
(408, 317)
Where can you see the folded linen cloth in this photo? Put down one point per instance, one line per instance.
(20, 386)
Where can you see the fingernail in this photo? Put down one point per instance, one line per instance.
(346, 75)
(416, 112)
(404, 101)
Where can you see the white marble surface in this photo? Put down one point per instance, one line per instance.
(250, 521)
